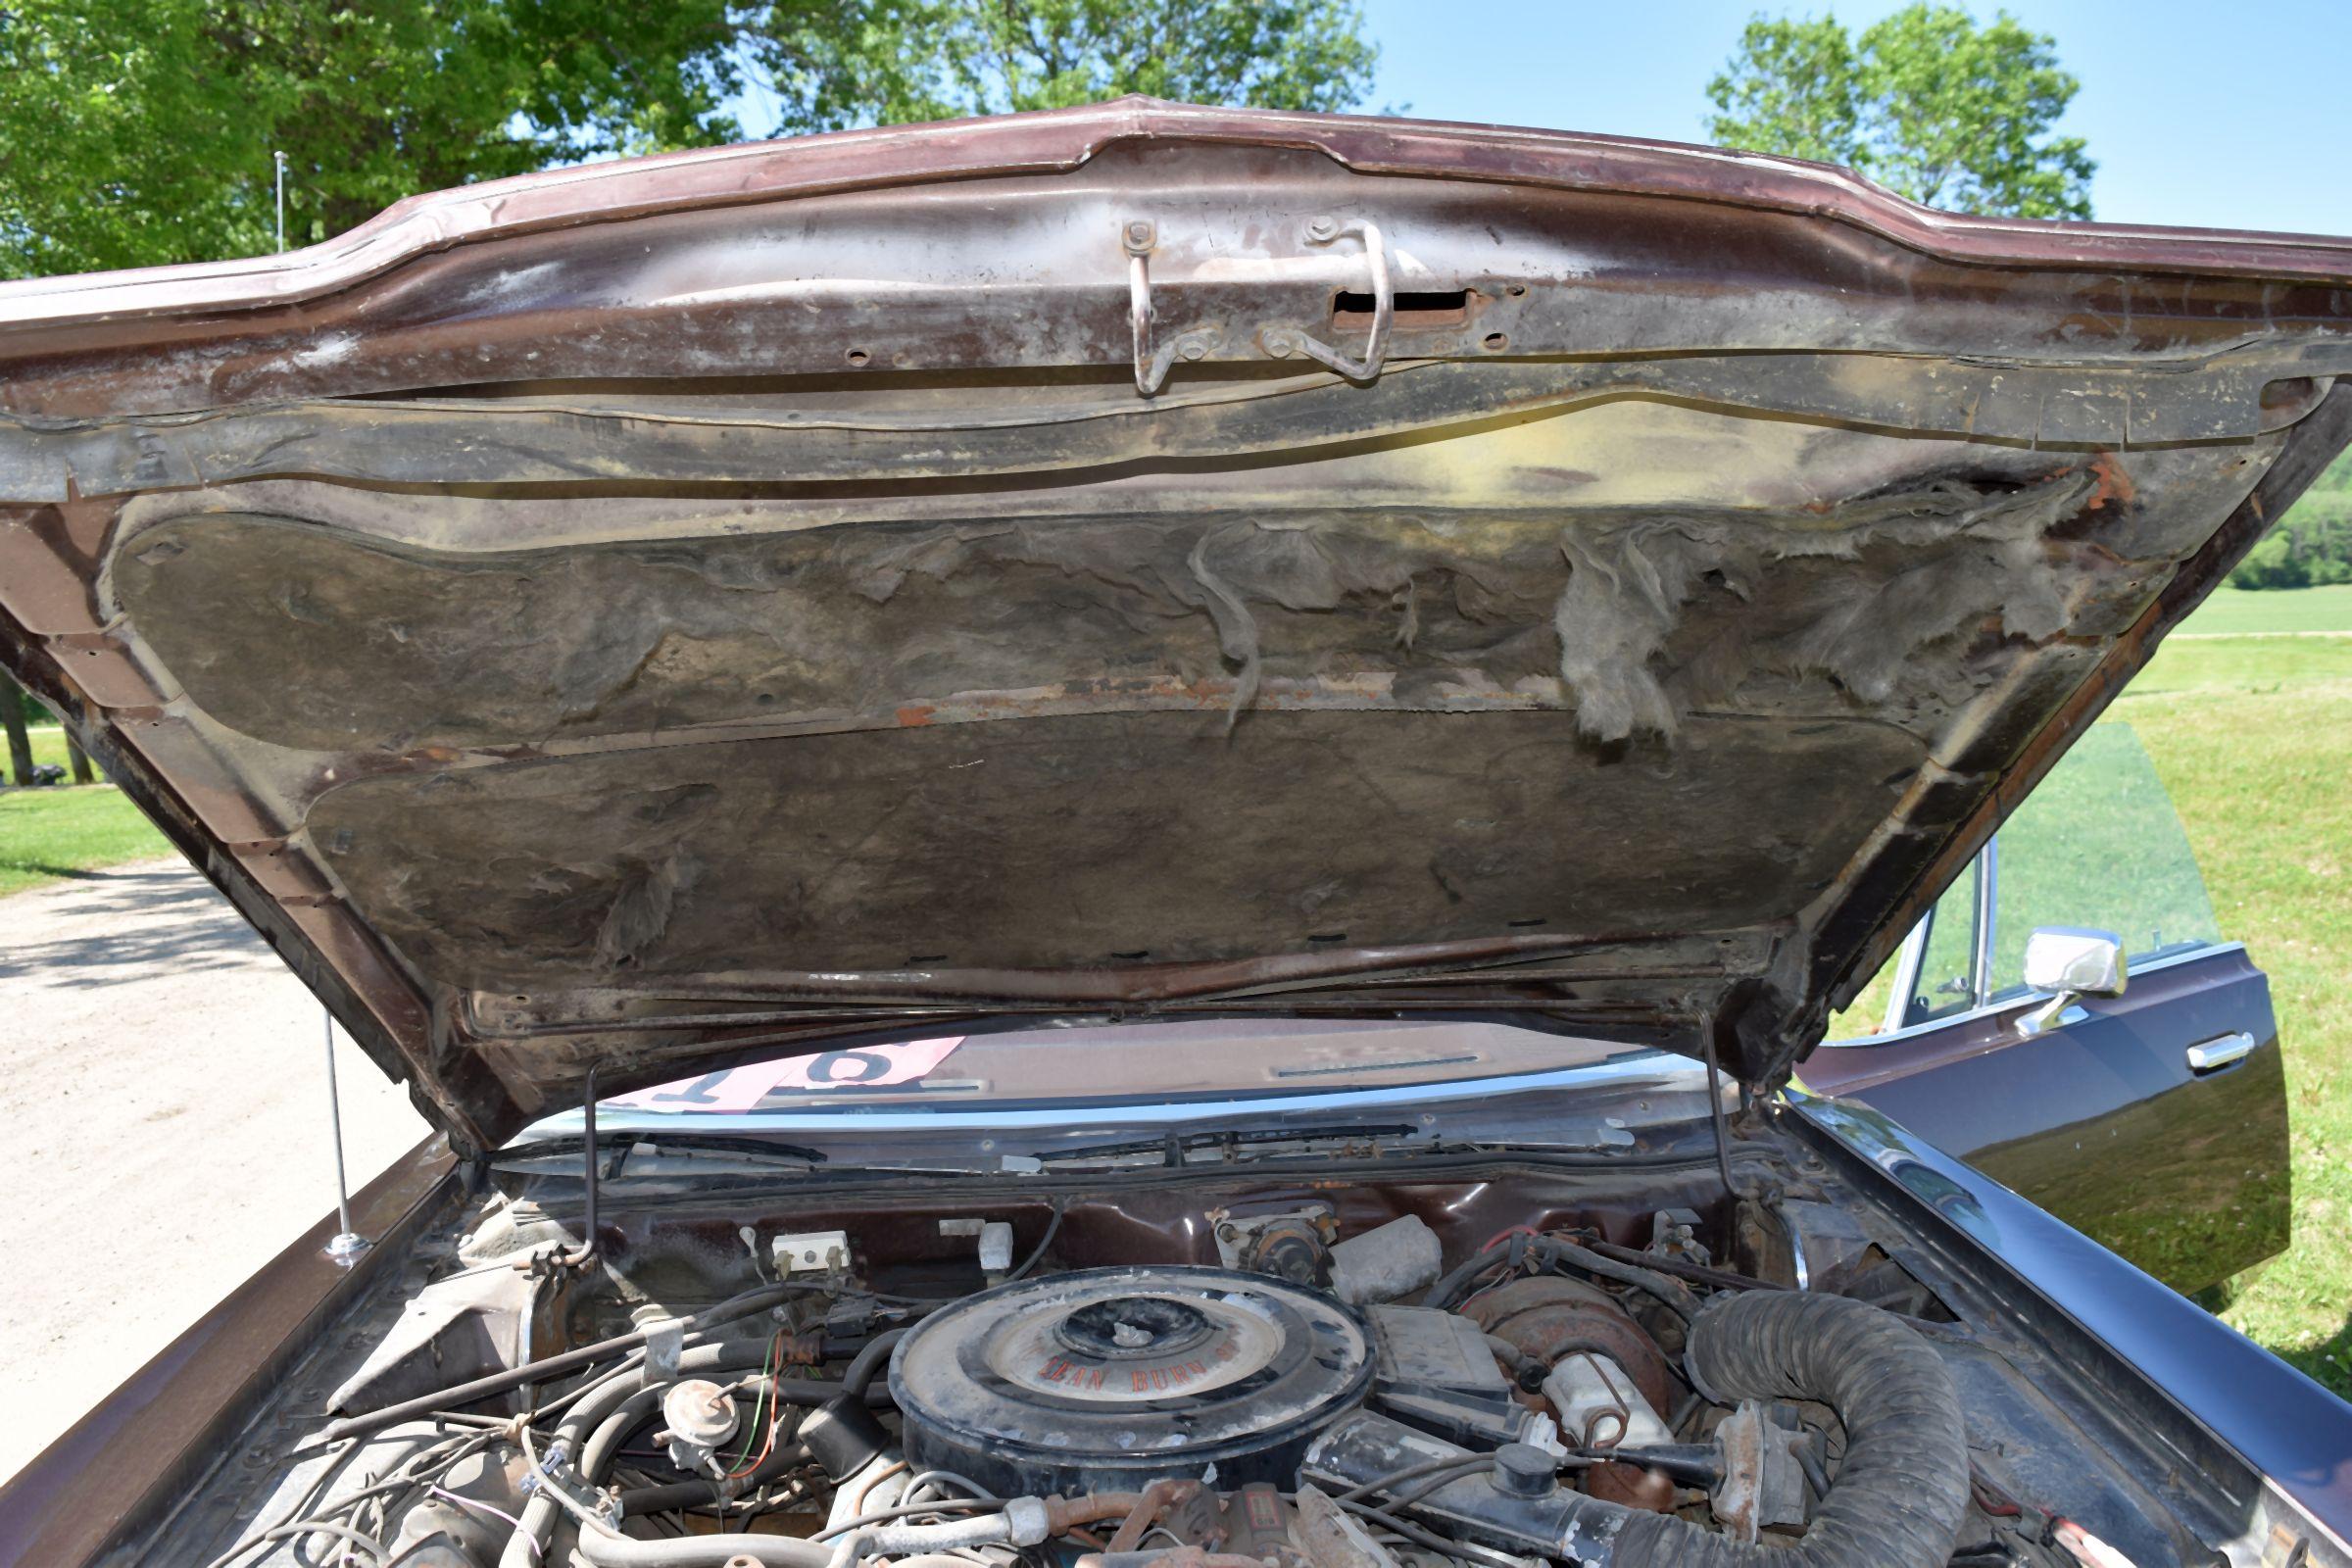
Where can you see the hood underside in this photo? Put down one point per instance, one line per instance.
(1134, 561)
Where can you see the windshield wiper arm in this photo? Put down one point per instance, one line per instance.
(683, 1142)
(1176, 1150)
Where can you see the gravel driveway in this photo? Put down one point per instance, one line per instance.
(163, 1093)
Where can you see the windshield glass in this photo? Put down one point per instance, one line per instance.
(1154, 1063)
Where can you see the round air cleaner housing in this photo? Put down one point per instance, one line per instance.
(1106, 1378)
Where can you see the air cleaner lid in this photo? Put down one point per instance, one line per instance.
(1112, 1372)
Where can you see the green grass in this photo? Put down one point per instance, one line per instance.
(64, 829)
(51, 833)
(2274, 610)
(2260, 776)
(2252, 666)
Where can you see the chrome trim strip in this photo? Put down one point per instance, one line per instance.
(1989, 887)
(2025, 1000)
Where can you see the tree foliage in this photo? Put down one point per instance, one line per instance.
(2312, 544)
(140, 131)
(836, 62)
(1926, 102)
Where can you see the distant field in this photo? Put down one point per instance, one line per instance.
(2245, 663)
(2274, 610)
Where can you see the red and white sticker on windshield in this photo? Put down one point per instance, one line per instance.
(742, 1087)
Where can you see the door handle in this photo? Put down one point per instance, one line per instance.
(2212, 1055)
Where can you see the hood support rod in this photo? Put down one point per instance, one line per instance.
(344, 1248)
(1723, 1136)
(555, 1261)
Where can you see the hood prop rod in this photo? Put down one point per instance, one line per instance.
(1723, 1136)
(344, 1248)
(555, 1261)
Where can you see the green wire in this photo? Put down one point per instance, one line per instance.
(767, 1383)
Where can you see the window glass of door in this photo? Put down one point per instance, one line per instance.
(2097, 844)
(1945, 983)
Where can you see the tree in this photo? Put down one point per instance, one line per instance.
(12, 702)
(886, 62)
(2271, 563)
(135, 132)
(1791, 90)
(1927, 103)
(140, 131)
(2312, 544)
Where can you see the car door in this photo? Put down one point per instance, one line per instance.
(2153, 1121)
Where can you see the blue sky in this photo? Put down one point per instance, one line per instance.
(2197, 115)
(2222, 116)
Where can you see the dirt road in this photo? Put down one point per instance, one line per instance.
(163, 1096)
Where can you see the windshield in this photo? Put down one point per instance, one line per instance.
(1121, 1064)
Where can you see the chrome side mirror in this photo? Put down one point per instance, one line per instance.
(2070, 963)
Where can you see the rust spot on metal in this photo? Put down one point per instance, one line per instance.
(2114, 483)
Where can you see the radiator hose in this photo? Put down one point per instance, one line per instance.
(1900, 1496)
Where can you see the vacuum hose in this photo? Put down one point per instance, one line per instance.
(1898, 1498)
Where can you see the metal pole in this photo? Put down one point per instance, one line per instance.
(348, 1243)
(346, 1246)
(1723, 1136)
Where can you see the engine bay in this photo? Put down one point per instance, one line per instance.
(1510, 1364)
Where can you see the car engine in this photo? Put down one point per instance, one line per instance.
(1267, 1383)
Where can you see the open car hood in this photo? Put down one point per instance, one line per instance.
(1138, 559)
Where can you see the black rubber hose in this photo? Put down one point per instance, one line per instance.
(869, 1361)
(1900, 1496)
(1038, 1253)
(547, 1367)
(1526, 1371)
(588, 1420)
(701, 1492)
(613, 1430)
(1555, 1250)
(1672, 1291)
(812, 1391)
(1442, 1292)
(1715, 1279)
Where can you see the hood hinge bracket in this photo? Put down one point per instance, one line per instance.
(1139, 237)
(1283, 341)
